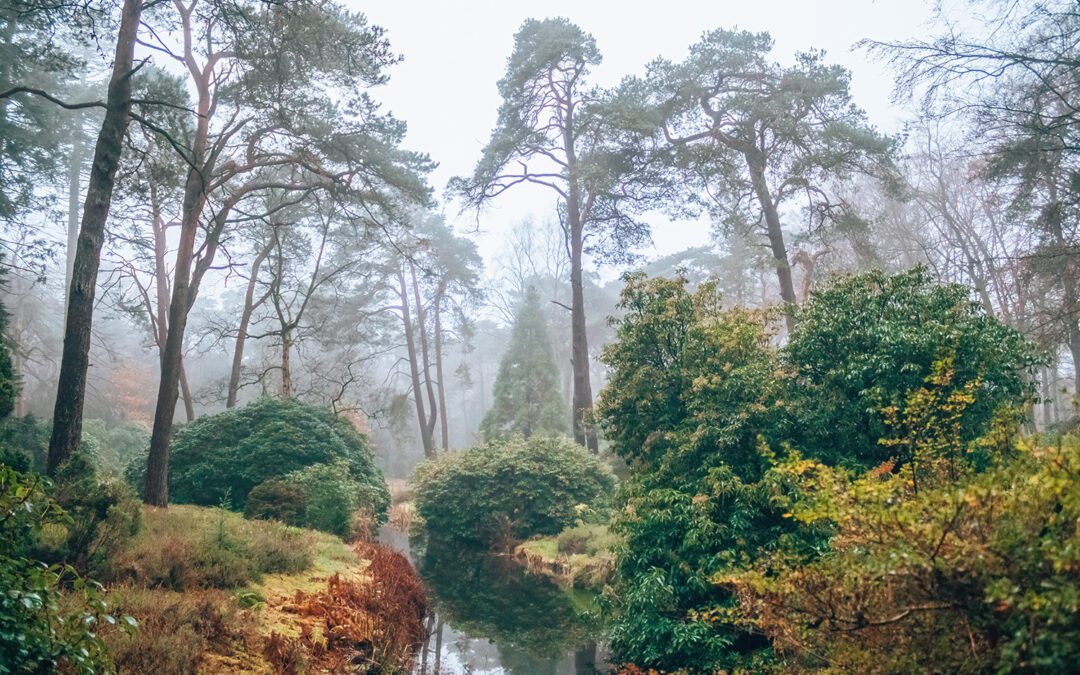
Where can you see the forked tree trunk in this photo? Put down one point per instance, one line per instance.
(425, 354)
(185, 393)
(161, 286)
(241, 333)
(414, 367)
(440, 382)
(156, 487)
(71, 389)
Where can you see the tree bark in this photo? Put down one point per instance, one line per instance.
(71, 390)
(156, 488)
(286, 367)
(1074, 350)
(185, 394)
(584, 434)
(1047, 400)
(414, 367)
(776, 239)
(438, 647)
(425, 353)
(74, 190)
(241, 334)
(440, 386)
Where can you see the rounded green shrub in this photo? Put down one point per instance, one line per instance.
(333, 501)
(510, 489)
(276, 499)
(222, 458)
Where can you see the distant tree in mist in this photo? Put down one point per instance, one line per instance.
(527, 396)
(430, 282)
(9, 381)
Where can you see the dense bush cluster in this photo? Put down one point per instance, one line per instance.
(323, 497)
(509, 490)
(41, 631)
(24, 443)
(975, 574)
(315, 462)
(894, 378)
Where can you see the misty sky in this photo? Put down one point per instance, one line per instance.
(455, 52)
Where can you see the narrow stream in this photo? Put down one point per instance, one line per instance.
(490, 617)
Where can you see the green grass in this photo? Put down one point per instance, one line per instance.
(579, 557)
(208, 587)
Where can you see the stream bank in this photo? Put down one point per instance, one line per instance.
(491, 616)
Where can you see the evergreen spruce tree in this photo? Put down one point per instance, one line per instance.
(9, 381)
(527, 398)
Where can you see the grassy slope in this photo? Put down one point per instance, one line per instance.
(589, 567)
(184, 554)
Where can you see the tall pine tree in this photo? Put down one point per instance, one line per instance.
(527, 399)
(9, 381)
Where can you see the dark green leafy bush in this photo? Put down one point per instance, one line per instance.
(865, 342)
(700, 398)
(276, 499)
(99, 517)
(508, 490)
(223, 457)
(333, 501)
(40, 631)
(321, 497)
(24, 442)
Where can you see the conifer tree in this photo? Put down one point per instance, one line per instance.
(527, 398)
(9, 381)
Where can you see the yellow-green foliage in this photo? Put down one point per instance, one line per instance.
(976, 574)
(581, 556)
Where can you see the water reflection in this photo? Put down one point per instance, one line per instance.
(492, 617)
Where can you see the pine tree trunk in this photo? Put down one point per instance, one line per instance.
(414, 367)
(156, 487)
(286, 366)
(444, 423)
(74, 191)
(71, 389)
(776, 239)
(584, 434)
(241, 333)
(425, 353)
(1074, 350)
